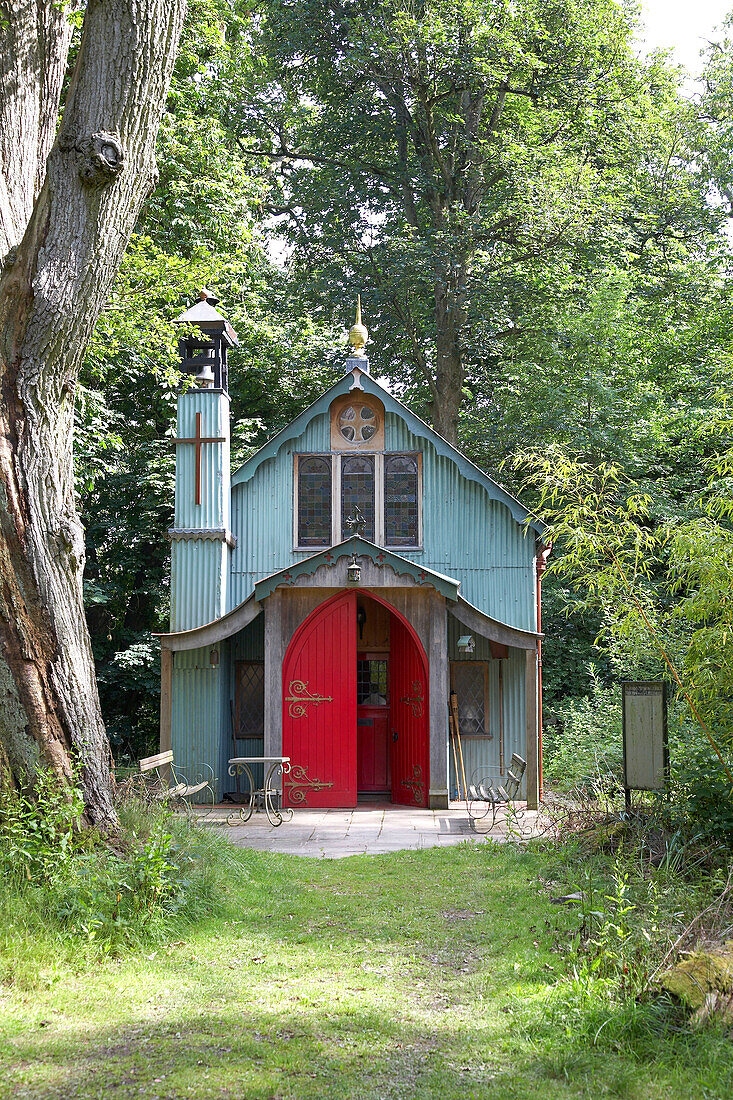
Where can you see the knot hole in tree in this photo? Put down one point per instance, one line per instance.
(103, 158)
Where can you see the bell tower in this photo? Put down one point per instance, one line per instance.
(201, 541)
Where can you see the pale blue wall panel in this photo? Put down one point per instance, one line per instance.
(249, 644)
(196, 720)
(466, 534)
(199, 582)
(480, 755)
(471, 537)
(262, 515)
(213, 511)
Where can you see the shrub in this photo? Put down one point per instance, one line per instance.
(585, 746)
(65, 895)
(40, 833)
(703, 800)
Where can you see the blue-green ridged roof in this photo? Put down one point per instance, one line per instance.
(415, 425)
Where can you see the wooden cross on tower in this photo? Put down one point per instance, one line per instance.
(197, 440)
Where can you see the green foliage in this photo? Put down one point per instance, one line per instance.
(490, 177)
(63, 890)
(445, 971)
(571, 661)
(39, 831)
(702, 806)
(606, 549)
(583, 745)
(517, 163)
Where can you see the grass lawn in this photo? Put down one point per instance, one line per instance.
(440, 973)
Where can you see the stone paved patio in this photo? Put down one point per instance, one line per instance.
(333, 834)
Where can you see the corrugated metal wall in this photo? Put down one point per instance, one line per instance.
(467, 535)
(471, 537)
(480, 753)
(199, 582)
(213, 511)
(249, 644)
(200, 699)
(200, 569)
(265, 546)
(203, 697)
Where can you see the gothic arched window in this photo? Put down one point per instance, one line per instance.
(357, 491)
(400, 500)
(314, 501)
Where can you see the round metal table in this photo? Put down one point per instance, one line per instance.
(274, 766)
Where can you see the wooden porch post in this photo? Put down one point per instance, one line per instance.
(273, 673)
(532, 773)
(166, 702)
(438, 688)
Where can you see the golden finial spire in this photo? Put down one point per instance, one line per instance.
(358, 335)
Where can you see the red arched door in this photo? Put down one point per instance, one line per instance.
(409, 717)
(319, 707)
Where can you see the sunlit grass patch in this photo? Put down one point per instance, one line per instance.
(440, 973)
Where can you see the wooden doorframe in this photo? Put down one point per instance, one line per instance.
(405, 622)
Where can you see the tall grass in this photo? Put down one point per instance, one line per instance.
(68, 899)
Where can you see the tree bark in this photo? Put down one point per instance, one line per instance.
(448, 366)
(35, 40)
(64, 236)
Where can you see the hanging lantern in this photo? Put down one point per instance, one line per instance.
(354, 571)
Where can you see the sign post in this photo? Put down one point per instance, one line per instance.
(646, 749)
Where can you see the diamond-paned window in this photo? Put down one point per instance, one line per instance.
(357, 492)
(400, 501)
(469, 680)
(250, 697)
(314, 501)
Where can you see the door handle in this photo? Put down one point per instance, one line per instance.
(395, 735)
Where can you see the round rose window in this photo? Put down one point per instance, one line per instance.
(357, 423)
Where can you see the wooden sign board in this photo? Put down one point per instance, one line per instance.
(646, 752)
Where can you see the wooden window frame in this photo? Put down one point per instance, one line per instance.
(368, 446)
(378, 480)
(296, 502)
(417, 455)
(259, 663)
(336, 458)
(487, 734)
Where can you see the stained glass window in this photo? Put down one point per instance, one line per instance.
(314, 501)
(400, 501)
(469, 680)
(357, 493)
(358, 423)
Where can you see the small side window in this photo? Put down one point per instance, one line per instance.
(249, 700)
(314, 501)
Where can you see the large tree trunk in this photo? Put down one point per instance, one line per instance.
(63, 240)
(449, 369)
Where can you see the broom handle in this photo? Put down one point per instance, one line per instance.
(455, 755)
(234, 739)
(456, 727)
